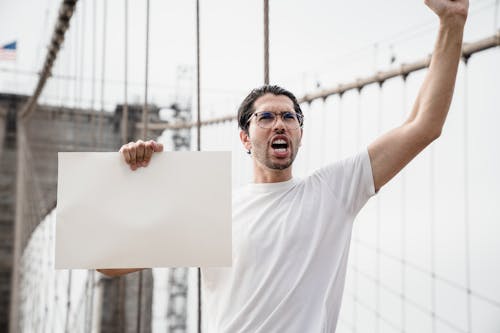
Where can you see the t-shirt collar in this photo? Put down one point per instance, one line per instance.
(272, 187)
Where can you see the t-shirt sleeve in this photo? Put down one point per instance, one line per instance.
(351, 180)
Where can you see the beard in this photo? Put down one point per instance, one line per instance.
(265, 158)
(279, 166)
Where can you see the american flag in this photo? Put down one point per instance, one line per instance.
(8, 51)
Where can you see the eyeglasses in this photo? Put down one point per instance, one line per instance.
(267, 119)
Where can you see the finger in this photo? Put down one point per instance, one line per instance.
(125, 153)
(132, 150)
(158, 147)
(140, 152)
(148, 152)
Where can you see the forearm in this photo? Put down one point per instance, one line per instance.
(434, 98)
(118, 271)
(393, 150)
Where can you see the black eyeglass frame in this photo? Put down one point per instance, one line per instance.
(300, 118)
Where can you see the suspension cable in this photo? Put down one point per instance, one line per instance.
(64, 17)
(355, 231)
(403, 221)
(82, 57)
(495, 15)
(92, 91)
(75, 37)
(68, 301)
(379, 219)
(139, 304)
(121, 281)
(77, 54)
(467, 50)
(266, 41)
(144, 136)
(91, 314)
(432, 221)
(198, 136)
(323, 131)
(103, 71)
(198, 122)
(466, 199)
(145, 118)
(125, 80)
(74, 48)
(339, 128)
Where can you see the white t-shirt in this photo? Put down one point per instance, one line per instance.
(290, 249)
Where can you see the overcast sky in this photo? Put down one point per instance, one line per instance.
(311, 42)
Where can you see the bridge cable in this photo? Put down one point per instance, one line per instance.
(198, 136)
(356, 230)
(432, 220)
(124, 139)
(403, 221)
(379, 219)
(266, 41)
(93, 76)
(145, 118)
(144, 136)
(103, 71)
(495, 16)
(125, 80)
(91, 275)
(466, 197)
(88, 287)
(74, 55)
(324, 116)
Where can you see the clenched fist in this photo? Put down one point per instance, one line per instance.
(454, 10)
(138, 154)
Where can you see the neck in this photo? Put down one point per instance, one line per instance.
(262, 174)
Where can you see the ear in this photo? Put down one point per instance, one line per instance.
(245, 139)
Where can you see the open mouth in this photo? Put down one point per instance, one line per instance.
(280, 146)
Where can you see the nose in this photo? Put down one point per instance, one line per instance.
(279, 124)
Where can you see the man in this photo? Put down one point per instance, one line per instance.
(291, 237)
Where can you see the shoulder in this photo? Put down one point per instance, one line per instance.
(344, 167)
(349, 179)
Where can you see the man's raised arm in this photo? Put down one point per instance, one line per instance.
(393, 150)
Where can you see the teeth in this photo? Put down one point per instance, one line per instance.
(281, 150)
(279, 141)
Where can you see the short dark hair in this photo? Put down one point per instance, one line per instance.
(246, 108)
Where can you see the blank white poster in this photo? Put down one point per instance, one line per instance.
(175, 212)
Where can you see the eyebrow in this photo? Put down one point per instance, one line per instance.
(275, 111)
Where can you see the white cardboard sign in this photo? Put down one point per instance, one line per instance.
(175, 212)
